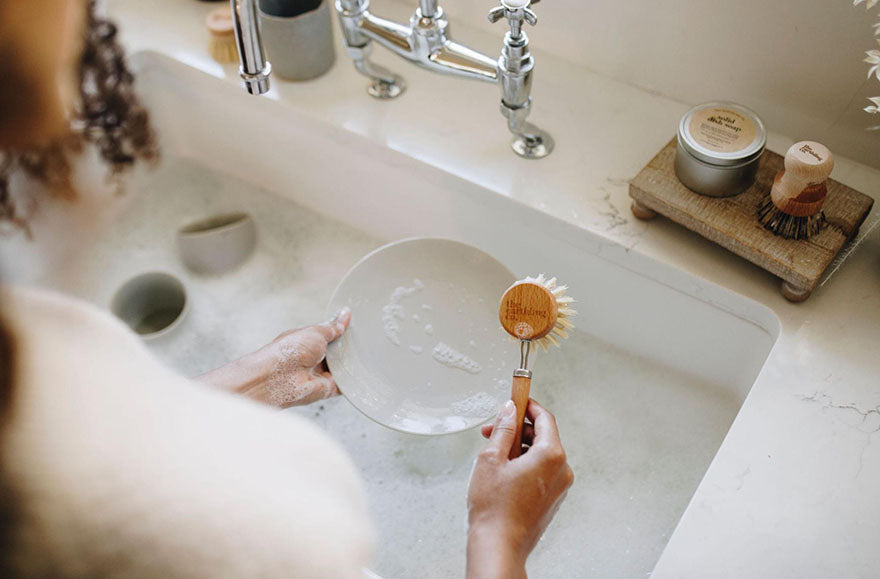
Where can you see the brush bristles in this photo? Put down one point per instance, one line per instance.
(223, 49)
(565, 311)
(788, 226)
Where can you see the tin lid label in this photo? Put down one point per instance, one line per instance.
(722, 129)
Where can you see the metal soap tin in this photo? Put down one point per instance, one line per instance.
(713, 173)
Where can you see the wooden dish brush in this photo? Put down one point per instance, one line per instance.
(793, 209)
(222, 43)
(535, 309)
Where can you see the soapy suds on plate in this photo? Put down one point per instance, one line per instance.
(481, 404)
(452, 358)
(393, 312)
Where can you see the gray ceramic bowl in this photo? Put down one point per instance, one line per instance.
(152, 304)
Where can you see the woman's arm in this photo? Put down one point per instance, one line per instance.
(511, 502)
(289, 371)
(490, 555)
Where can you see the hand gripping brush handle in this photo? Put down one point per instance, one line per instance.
(535, 309)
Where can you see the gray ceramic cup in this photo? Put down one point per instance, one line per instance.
(299, 47)
(151, 304)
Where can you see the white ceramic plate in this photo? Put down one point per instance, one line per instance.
(425, 352)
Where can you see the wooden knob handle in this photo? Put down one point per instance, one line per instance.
(520, 397)
(809, 161)
(800, 189)
(219, 21)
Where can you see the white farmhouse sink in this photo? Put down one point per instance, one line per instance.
(644, 391)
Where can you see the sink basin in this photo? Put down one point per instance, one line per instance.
(644, 391)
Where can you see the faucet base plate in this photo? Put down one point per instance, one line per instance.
(536, 145)
(384, 90)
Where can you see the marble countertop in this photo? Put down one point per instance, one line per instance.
(794, 490)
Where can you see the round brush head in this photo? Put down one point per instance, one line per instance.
(537, 309)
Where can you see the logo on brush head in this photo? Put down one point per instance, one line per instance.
(523, 330)
(809, 151)
(515, 309)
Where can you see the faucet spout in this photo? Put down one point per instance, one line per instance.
(254, 69)
(455, 58)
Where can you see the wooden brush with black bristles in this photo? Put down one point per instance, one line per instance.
(793, 209)
(534, 309)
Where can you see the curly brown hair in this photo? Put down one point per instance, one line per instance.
(109, 116)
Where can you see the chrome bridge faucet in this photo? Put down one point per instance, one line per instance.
(424, 41)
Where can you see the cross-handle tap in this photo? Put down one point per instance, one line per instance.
(426, 42)
(516, 11)
(515, 78)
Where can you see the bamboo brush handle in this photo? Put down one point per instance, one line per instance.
(520, 397)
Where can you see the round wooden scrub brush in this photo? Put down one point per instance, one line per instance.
(220, 25)
(535, 309)
(794, 207)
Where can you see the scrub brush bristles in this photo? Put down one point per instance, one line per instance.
(564, 311)
(789, 226)
(793, 209)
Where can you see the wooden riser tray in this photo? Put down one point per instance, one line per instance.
(731, 222)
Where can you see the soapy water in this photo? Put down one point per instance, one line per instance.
(448, 356)
(481, 405)
(416, 349)
(290, 383)
(393, 312)
(429, 329)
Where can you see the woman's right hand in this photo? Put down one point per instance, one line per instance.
(511, 501)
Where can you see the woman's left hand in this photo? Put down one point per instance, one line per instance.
(289, 371)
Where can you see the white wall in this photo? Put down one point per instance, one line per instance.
(796, 62)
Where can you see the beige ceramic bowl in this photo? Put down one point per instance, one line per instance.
(217, 244)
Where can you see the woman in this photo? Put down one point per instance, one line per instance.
(112, 465)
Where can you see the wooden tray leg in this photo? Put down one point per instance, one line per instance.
(642, 212)
(793, 293)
